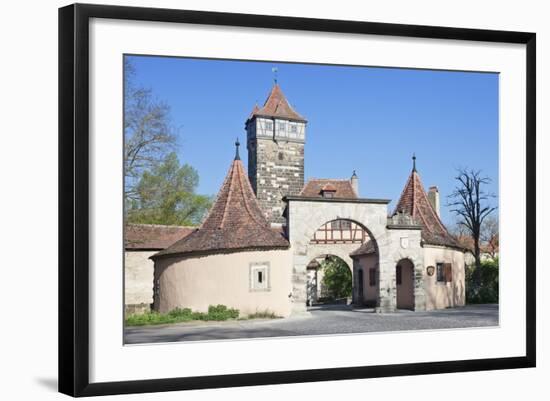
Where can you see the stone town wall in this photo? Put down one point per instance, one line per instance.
(138, 281)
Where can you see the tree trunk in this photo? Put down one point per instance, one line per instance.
(477, 256)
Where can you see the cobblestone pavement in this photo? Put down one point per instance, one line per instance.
(336, 319)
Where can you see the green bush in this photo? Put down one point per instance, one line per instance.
(265, 314)
(487, 291)
(221, 312)
(184, 313)
(179, 315)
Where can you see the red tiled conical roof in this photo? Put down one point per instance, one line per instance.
(414, 202)
(235, 222)
(277, 105)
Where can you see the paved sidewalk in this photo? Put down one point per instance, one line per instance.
(335, 319)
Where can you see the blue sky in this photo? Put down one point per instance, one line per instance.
(359, 118)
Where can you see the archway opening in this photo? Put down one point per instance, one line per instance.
(404, 280)
(355, 245)
(329, 281)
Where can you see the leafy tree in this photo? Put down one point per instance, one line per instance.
(337, 277)
(469, 201)
(166, 195)
(148, 132)
(487, 292)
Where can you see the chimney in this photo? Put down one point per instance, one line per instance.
(433, 197)
(355, 183)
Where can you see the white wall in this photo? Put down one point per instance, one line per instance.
(28, 161)
(138, 278)
(198, 282)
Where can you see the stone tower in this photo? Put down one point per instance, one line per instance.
(276, 136)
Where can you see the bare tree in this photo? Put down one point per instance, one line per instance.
(462, 235)
(469, 201)
(148, 134)
(490, 235)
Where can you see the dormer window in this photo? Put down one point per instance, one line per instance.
(328, 191)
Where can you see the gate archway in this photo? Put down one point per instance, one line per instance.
(329, 280)
(307, 215)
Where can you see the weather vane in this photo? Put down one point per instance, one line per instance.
(274, 70)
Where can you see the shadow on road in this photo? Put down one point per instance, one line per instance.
(340, 307)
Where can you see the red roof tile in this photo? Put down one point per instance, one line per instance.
(315, 186)
(277, 105)
(366, 248)
(467, 242)
(235, 222)
(414, 202)
(328, 188)
(153, 236)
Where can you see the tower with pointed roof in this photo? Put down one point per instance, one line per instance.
(414, 202)
(276, 136)
(234, 222)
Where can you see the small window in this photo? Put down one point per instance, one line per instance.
(340, 224)
(440, 272)
(293, 128)
(372, 276)
(269, 126)
(281, 156)
(259, 277)
(398, 275)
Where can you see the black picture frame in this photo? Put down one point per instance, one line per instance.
(74, 198)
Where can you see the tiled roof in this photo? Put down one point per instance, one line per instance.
(254, 111)
(467, 242)
(365, 249)
(235, 222)
(153, 236)
(414, 202)
(314, 187)
(277, 105)
(328, 188)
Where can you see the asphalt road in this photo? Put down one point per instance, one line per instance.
(335, 319)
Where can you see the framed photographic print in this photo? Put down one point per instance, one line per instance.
(296, 199)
